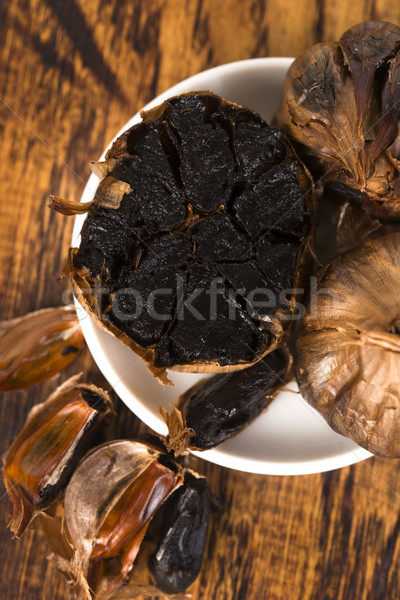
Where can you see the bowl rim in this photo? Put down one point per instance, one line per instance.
(217, 455)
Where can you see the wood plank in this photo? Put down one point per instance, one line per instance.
(73, 72)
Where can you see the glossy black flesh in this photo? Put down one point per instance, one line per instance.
(158, 204)
(224, 404)
(177, 559)
(149, 142)
(107, 243)
(220, 177)
(274, 202)
(276, 258)
(206, 161)
(232, 246)
(203, 331)
(145, 298)
(257, 146)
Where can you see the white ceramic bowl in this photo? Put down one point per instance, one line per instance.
(289, 438)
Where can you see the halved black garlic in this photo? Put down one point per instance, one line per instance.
(192, 250)
(340, 108)
(107, 508)
(348, 352)
(217, 408)
(56, 434)
(37, 346)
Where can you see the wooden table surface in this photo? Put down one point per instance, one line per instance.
(72, 73)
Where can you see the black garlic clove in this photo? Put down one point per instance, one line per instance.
(215, 409)
(177, 559)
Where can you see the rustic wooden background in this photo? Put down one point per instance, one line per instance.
(72, 72)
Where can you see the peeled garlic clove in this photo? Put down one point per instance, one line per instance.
(347, 360)
(108, 505)
(37, 346)
(56, 434)
(177, 558)
(215, 409)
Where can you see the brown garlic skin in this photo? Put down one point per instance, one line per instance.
(340, 109)
(37, 346)
(107, 508)
(99, 531)
(56, 434)
(347, 359)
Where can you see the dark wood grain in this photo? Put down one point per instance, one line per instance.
(72, 72)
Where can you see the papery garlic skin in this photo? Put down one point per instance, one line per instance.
(340, 109)
(38, 345)
(347, 358)
(108, 505)
(41, 459)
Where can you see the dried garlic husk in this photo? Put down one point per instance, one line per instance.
(56, 434)
(107, 508)
(215, 409)
(353, 225)
(37, 346)
(340, 108)
(197, 231)
(348, 352)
